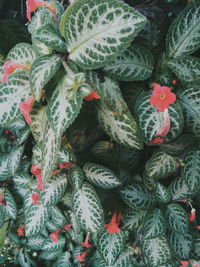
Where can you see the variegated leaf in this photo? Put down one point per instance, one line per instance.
(54, 190)
(97, 31)
(186, 68)
(4, 173)
(22, 180)
(15, 158)
(156, 251)
(50, 245)
(87, 208)
(22, 53)
(41, 71)
(41, 48)
(23, 258)
(122, 128)
(76, 177)
(154, 224)
(160, 165)
(150, 120)
(10, 208)
(61, 110)
(135, 64)
(162, 193)
(64, 260)
(179, 190)
(125, 260)
(57, 218)
(50, 255)
(36, 242)
(35, 219)
(5, 145)
(111, 246)
(190, 170)
(50, 36)
(189, 99)
(11, 94)
(183, 37)
(177, 218)
(101, 176)
(66, 155)
(136, 196)
(133, 219)
(2, 216)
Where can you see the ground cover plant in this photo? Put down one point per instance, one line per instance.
(99, 134)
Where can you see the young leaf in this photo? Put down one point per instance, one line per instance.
(50, 36)
(156, 250)
(100, 176)
(10, 208)
(11, 94)
(54, 190)
(183, 37)
(135, 64)
(154, 224)
(160, 165)
(137, 197)
(186, 68)
(41, 71)
(87, 208)
(111, 246)
(15, 158)
(177, 218)
(104, 31)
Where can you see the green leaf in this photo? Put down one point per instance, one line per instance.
(181, 244)
(97, 31)
(179, 190)
(156, 250)
(87, 208)
(162, 193)
(125, 260)
(22, 53)
(160, 165)
(54, 190)
(189, 99)
(5, 145)
(100, 176)
(50, 255)
(11, 94)
(122, 128)
(196, 249)
(24, 259)
(41, 72)
(177, 218)
(111, 246)
(50, 36)
(137, 197)
(150, 120)
(186, 68)
(190, 171)
(2, 217)
(4, 173)
(64, 260)
(135, 64)
(57, 218)
(22, 180)
(15, 158)
(61, 110)
(154, 224)
(50, 245)
(36, 242)
(76, 177)
(183, 37)
(133, 219)
(10, 209)
(66, 155)
(41, 48)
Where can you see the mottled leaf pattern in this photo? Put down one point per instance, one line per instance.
(76, 177)
(133, 219)
(162, 193)
(15, 157)
(36, 242)
(179, 190)
(22, 53)
(10, 208)
(50, 245)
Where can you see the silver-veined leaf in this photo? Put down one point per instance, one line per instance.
(87, 208)
(50, 255)
(97, 31)
(76, 177)
(66, 155)
(135, 64)
(133, 219)
(10, 208)
(179, 189)
(50, 245)
(14, 159)
(162, 193)
(100, 176)
(22, 180)
(36, 242)
(125, 260)
(4, 173)
(64, 260)
(57, 218)
(41, 71)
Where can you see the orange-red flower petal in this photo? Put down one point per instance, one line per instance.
(20, 231)
(81, 257)
(35, 197)
(91, 96)
(32, 5)
(86, 242)
(113, 226)
(25, 108)
(8, 68)
(36, 170)
(157, 140)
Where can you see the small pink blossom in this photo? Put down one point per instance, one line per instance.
(54, 235)
(35, 197)
(36, 170)
(192, 215)
(25, 108)
(86, 242)
(113, 226)
(81, 257)
(20, 231)
(8, 68)
(91, 96)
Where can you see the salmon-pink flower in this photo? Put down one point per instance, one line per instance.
(67, 227)
(162, 97)
(54, 235)
(33, 5)
(9, 67)
(25, 108)
(197, 227)
(36, 170)
(86, 242)
(192, 215)
(157, 140)
(165, 128)
(113, 226)
(66, 165)
(174, 82)
(20, 231)
(35, 197)
(184, 263)
(81, 257)
(92, 95)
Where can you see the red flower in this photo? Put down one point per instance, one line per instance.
(35, 197)
(192, 216)
(165, 128)
(54, 235)
(20, 231)
(113, 226)
(162, 97)
(32, 5)
(86, 242)
(9, 67)
(67, 227)
(157, 140)
(184, 263)
(25, 108)
(92, 95)
(36, 170)
(81, 257)
(66, 165)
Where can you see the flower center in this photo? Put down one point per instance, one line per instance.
(162, 96)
